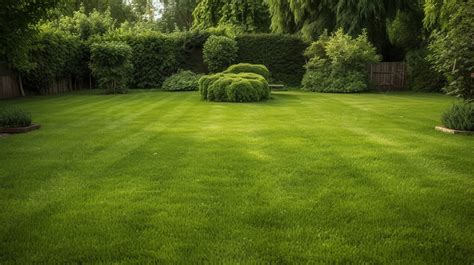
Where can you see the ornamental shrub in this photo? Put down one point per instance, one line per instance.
(110, 64)
(219, 52)
(459, 117)
(229, 87)
(339, 64)
(282, 54)
(13, 117)
(420, 73)
(259, 69)
(182, 81)
(452, 51)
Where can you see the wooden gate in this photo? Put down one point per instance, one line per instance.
(388, 76)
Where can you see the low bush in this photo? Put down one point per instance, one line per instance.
(259, 69)
(339, 63)
(229, 87)
(421, 75)
(219, 52)
(110, 64)
(182, 81)
(459, 117)
(14, 117)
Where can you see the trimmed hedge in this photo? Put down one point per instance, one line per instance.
(282, 54)
(55, 55)
(259, 69)
(229, 87)
(182, 81)
(110, 64)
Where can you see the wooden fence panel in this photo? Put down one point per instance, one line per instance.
(9, 86)
(388, 76)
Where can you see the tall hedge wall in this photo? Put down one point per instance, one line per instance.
(282, 54)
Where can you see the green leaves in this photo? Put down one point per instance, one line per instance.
(111, 65)
(452, 52)
(219, 52)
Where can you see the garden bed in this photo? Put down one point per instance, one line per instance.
(32, 127)
(453, 131)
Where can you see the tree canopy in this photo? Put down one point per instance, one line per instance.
(250, 15)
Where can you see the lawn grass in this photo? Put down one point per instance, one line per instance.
(304, 177)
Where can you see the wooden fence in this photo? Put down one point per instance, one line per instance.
(388, 76)
(9, 85)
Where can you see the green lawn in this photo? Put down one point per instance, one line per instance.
(304, 177)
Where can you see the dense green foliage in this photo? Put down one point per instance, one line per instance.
(54, 55)
(421, 75)
(86, 25)
(452, 51)
(17, 29)
(406, 30)
(249, 15)
(459, 117)
(229, 87)
(182, 81)
(120, 10)
(259, 69)
(14, 117)
(311, 17)
(339, 63)
(282, 54)
(111, 65)
(219, 52)
(177, 14)
(155, 56)
(159, 177)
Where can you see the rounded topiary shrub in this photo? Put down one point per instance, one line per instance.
(229, 87)
(13, 117)
(459, 117)
(219, 52)
(182, 81)
(259, 69)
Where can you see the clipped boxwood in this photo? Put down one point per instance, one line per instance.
(229, 87)
(219, 52)
(182, 81)
(12, 117)
(459, 117)
(259, 69)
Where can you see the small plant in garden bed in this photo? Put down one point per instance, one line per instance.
(13, 117)
(14, 120)
(182, 81)
(459, 117)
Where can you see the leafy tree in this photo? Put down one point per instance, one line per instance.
(452, 51)
(120, 10)
(311, 17)
(177, 14)
(17, 28)
(85, 25)
(250, 15)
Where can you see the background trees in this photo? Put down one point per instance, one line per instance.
(249, 15)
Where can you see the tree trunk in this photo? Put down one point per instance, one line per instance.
(20, 81)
